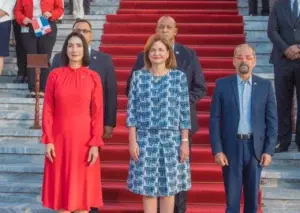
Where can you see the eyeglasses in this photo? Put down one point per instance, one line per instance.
(161, 27)
(84, 31)
(247, 58)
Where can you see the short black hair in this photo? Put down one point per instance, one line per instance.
(82, 21)
(86, 55)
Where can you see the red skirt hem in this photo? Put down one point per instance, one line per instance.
(71, 209)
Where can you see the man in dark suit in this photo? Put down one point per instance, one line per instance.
(284, 33)
(243, 130)
(103, 65)
(188, 62)
(253, 7)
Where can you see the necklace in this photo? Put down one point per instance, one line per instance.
(157, 78)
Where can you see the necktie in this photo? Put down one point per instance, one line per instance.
(295, 10)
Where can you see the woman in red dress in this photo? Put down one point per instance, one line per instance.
(72, 131)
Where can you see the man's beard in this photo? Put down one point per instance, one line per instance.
(243, 68)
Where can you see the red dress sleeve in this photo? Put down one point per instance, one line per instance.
(19, 12)
(97, 112)
(58, 9)
(48, 109)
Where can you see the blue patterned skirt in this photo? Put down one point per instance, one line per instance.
(159, 171)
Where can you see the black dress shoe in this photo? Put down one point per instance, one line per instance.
(279, 149)
(19, 79)
(252, 14)
(265, 13)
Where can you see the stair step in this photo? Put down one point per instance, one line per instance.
(120, 135)
(29, 172)
(212, 28)
(281, 194)
(200, 192)
(14, 153)
(284, 173)
(255, 26)
(174, 11)
(185, 5)
(256, 18)
(187, 39)
(100, 7)
(24, 207)
(259, 36)
(180, 18)
(280, 206)
(19, 197)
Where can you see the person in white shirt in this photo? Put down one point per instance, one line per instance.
(79, 8)
(6, 15)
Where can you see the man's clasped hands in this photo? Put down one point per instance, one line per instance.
(293, 52)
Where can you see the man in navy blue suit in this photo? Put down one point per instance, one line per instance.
(243, 130)
(188, 62)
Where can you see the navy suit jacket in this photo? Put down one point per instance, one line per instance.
(225, 116)
(187, 61)
(103, 65)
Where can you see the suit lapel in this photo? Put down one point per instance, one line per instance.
(179, 60)
(235, 91)
(253, 97)
(93, 57)
(288, 12)
(298, 20)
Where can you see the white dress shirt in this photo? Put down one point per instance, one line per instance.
(7, 6)
(37, 11)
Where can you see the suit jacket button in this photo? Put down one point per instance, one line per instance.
(294, 30)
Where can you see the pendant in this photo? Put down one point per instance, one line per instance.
(156, 79)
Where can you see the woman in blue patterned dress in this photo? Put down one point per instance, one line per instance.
(158, 118)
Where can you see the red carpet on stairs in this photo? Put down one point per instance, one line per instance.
(212, 29)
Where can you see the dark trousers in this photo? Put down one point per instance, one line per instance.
(287, 77)
(20, 51)
(253, 6)
(181, 197)
(243, 172)
(86, 6)
(41, 45)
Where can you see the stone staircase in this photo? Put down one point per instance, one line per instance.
(99, 8)
(281, 181)
(22, 155)
(256, 35)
